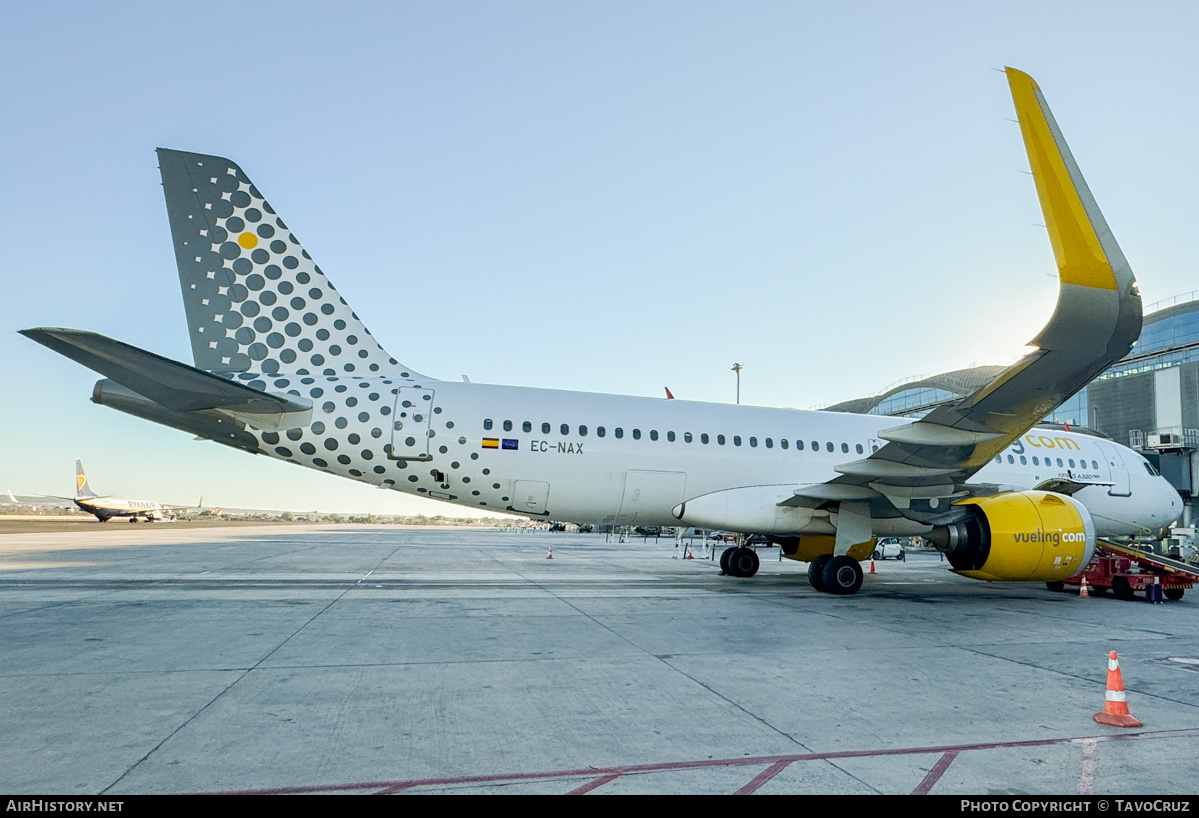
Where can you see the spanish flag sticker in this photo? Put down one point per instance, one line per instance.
(491, 443)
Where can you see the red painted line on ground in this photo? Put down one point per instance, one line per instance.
(934, 775)
(599, 782)
(762, 777)
(396, 786)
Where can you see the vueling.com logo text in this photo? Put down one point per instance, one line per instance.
(1055, 537)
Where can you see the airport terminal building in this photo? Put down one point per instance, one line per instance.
(1149, 400)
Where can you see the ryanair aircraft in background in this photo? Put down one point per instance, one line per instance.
(106, 507)
(284, 368)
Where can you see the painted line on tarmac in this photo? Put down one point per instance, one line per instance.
(599, 776)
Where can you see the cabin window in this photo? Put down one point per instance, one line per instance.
(720, 439)
(1059, 463)
(799, 445)
(686, 437)
(736, 440)
(860, 450)
(1011, 459)
(815, 445)
(582, 431)
(845, 448)
(619, 432)
(782, 442)
(600, 431)
(769, 443)
(527, 426)
(829, 445)
(1023, 460)
(507, 426)
(703, 438)
(1071, 462)
(670, 436)
(487, 424)
(1036, 462)
(653, 434)
(636, 434)
(565, 429)
(545, 428)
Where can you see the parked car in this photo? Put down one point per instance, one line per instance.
(889, 548)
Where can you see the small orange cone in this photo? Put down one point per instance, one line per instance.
(1082, 591)
(1115, 702)
(872, 565)
(550, 555)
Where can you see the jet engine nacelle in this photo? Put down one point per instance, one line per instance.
(1020, 536)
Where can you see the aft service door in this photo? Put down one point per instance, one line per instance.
(411, 431)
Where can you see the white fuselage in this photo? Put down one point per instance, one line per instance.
(611, 459)
(107, 507)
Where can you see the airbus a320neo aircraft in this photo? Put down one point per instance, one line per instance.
(284, 368)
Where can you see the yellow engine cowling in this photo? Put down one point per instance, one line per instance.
(1020, 536)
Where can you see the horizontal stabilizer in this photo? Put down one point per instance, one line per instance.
(168, 383)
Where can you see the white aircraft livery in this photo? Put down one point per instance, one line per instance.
(284, 368)
(105, 507)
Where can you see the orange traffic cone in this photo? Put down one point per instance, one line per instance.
(550, 555)
(1082, 591)
(1115, 702)
(872, 565)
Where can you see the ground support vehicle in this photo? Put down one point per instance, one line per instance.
(1125, 570)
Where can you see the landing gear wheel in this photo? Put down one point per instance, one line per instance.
(816, 572)
(1173, 593)
(724, 561)
(843, 576)
(1055, 585)
(743, 562)
(1121, 588)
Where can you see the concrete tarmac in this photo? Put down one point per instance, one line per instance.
(365, 659)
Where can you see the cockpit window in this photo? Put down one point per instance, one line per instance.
(1149, 468)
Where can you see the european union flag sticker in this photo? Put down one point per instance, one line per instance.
(511, 444)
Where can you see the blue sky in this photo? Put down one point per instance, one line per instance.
(597, 196)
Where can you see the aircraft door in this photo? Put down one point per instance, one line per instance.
(650, 495)
(530, 496)
(411, 430)
(1121, 484)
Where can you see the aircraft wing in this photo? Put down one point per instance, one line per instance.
(170, 384)
(1096, 322)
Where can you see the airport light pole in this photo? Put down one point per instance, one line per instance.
(737, 368)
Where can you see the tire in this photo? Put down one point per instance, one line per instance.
(1174, 594)
(876, 556)
(1122, 588)
(843, 576)
(1055, 585)
(744, 562)
(816, 572)
(724, 561)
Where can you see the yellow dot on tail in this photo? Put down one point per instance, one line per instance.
(248, 240)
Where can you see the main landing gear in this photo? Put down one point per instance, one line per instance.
(739, 561)
(835, 575)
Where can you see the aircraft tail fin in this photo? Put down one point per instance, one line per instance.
(255, 300)
(81, 487)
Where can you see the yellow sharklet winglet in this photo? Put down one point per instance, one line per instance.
(1073, 221)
